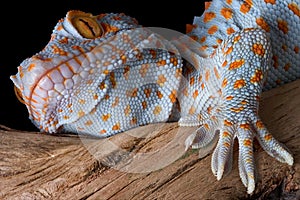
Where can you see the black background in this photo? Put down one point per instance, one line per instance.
(26, 28)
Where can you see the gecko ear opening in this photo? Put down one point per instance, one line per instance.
(19, 95)
(86, 25)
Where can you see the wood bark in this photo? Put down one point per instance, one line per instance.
(147, 163)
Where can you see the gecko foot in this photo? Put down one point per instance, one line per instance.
(245, 132)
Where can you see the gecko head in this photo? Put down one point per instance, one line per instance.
(46, 80)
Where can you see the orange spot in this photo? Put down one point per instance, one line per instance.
(217, 75)
(105, 72)
(189, 27)
(294, 8)
(213, 29)
(284, 47)
(225, 134)
(219, 41)
(81, 101)
(226, 13)
(102, 86)
(228, 98)
(229, 31)
(226, 144)
(247, 143)
(178, 73)
(192, 80)
(268, 137)
(80, 113)
(20, 69)
(208, 16)
(106, 97)
(239, 84)
(105, 117)
(161, 63)
(258, 49)
(102, 131)
(95, 96)
(207, 74)
(202, 85)
(203, 48)
(246, 6)
(192, 110)
(133, 121)
(57, 50)
(206, 126)
(258, 76)
(224, 83)
(116, 102)
(194, 37)
(229, 50)
(287, 66)
(144, 69)
(236, 39)
(270, 1)
(132, 93)
(227, 123)
(127, 110)
(283, 26)
(237, 109)
(161, 80)
(202, 39)
(159, 94)
(263, 24)
(64, 40)
(278, 81)
(229, 2)
(157, 110)
(275, 59)
(207, 5)
(173, 95)
(259, 125)
(116, 126)
(31, 66)
(88, 123)
(224, 63)
(209, 109)
(296, 49)
(174, 61)
(236, 64)
(144, 104)
(147, 92)
(113, 80)
(245, 126)
(244, 102)
(126, 72)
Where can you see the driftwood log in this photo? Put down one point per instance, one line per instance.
(147, 162)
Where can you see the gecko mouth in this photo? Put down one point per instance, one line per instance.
(19, 95)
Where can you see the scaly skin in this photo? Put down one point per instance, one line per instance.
(101, 75)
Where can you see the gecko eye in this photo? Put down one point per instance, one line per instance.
(19, 95)
(87, 26)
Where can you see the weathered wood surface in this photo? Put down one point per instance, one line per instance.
(40, 166)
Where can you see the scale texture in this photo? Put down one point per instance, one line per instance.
(105, 74)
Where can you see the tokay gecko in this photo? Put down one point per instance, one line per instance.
(105, 74)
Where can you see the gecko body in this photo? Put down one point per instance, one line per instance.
(105, 74)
